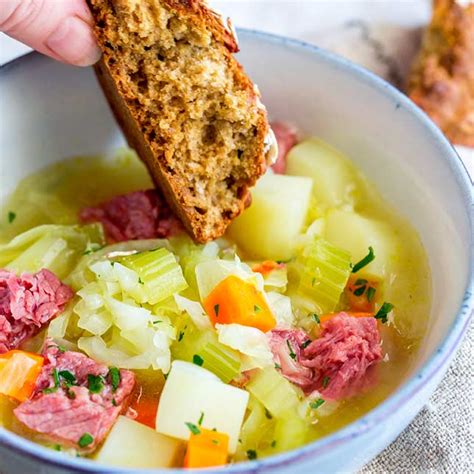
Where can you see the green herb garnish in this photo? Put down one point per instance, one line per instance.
(114, 402)
(257, 308)
(292, 354)
(360, 282)
(201, 419)
(365, 261)
(315, 404)
(11, 217)
(198, 360)
(359, 291)
(306, 344)
(140, 281)
(326, 381)
(370, 293)
(57, 447)
(68, 377)
(274, 443)
(316, 318)
(382, 313)
(193, 428)
(252, 454)
(216, 310)
(54, 388)
(268, 415)
(180, 336)
(95, 383)
(115, 378)
(277, 366)
(85, 440)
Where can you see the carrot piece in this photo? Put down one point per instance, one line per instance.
(327, 317)
(18, 373)
(361, 294)
(207, 449)
(146, 408)
(267, 267)
(235, 301)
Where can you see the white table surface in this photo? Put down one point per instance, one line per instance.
(382, 35)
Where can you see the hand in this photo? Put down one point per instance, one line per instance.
(58, 28)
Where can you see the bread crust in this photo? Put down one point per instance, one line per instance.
(442, 77)
(155, 151)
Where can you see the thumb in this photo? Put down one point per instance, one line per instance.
(59, 28)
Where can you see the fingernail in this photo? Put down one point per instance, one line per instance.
(74, 43)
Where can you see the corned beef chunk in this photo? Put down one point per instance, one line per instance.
(76, 400)
(27, 303)
(286, 138)
(338, 363)
(134, 216)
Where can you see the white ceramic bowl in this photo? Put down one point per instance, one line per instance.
(50, 111)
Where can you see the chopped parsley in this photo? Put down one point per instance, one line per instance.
(180, 336)
(54, 388)
(277, 366)
(365, 261)
(292, 353)
(216, 310)
(140, 281)
(251, 454)
(268, 415)
(11, 217)
(115, 378)
(114, 402)
(57, 447)
(313, 281)
(306, 344)
(382, 313)
(95, 383)
(274, 443)
(315, 404)
(257, 308)
(326, 381)
(198, 360)
(68, 377)
(61, 349)
(215, 441)
(316, 318)
(360, 282)
(201, 419)
(359, 291)
(193, 428)
(370, 293)
(85, 440)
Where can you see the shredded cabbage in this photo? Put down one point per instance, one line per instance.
(195, 311)
(249, 341)
(281, 309)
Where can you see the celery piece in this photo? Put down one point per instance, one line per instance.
(291, 431)
(219, 359)
(276, 394)
(159, 272)
(324, 271)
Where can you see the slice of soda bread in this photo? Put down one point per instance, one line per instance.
(185, 105)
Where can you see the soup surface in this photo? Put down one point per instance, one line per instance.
(120, 337)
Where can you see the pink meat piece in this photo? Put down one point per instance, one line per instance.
(65, 414)
(343, 356)
(133, 216)
(27, 303)
(287, 347)
(286, 138)
(339, 364)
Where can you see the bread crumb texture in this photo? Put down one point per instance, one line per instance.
(185, 105)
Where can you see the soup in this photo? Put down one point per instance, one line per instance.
(123, 341)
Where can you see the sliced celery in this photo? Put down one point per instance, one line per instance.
(203, 348)
(276, 394)
(159, 272)
(323, 270)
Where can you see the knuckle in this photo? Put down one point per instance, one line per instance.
(18, 14)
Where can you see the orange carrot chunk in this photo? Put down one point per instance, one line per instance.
(267, 267)
(327, 317)
(207, 449)
(146, 408)
(235, 301)
(18, 373)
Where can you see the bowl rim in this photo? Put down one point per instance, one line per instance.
(418, 380)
